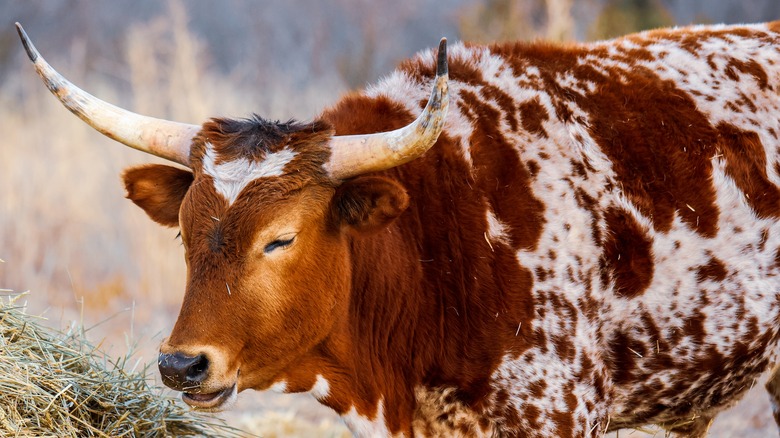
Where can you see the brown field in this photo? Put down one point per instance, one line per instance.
(88, 255)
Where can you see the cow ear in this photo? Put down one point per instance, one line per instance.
(368, 204)
(158, 190)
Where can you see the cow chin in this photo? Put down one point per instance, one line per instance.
(212, 402)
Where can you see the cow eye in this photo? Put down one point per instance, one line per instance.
(278, 243)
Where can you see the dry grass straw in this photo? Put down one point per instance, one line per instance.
(58, 384)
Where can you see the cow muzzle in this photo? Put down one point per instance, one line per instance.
(182, 372)
(190, 374)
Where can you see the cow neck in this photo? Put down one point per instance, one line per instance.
(425, 309)
(438, 298)
(376, 346)
(374, 358)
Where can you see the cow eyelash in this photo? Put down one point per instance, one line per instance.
(278, 243)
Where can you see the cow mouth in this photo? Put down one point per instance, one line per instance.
(214, 401)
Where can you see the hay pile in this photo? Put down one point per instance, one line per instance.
(57, 384)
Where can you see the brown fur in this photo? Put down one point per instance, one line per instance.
(158, 190)
(368, 204)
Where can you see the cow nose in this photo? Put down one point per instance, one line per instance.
(182, 372)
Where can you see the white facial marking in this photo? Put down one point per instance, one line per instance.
(231, 177)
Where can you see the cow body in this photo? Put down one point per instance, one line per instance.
(591, 244)
(596, 232)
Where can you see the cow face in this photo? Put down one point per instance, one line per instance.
(265, 216)
(266, 234)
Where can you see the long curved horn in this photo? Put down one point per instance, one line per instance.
(164, 138)
(353, 155)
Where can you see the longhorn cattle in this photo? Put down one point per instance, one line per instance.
(569, 239)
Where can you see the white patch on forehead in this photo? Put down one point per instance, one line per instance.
(231, 177)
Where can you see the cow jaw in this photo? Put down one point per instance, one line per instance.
(212, 402)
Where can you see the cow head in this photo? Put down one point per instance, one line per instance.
(264, 210)
(263, 225)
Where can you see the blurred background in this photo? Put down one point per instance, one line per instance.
(87, 255)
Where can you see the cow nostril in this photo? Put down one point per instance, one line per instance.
(182, 372)
(198, 371)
